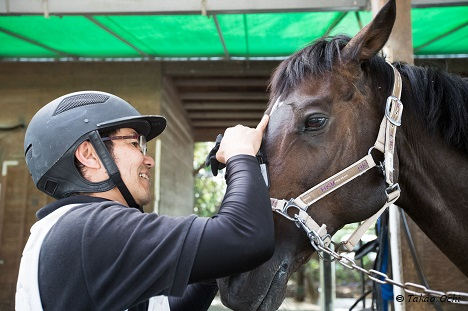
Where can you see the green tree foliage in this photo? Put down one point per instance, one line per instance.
(208, 189)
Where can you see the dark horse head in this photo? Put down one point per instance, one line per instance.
(333, 96)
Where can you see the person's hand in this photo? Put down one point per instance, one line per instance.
(241, 140)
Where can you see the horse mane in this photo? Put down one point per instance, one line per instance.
(439, 98)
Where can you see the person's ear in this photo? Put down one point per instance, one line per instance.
(86, 154)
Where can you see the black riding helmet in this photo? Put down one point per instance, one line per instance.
(58, 128)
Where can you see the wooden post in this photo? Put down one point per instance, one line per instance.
(399, 46)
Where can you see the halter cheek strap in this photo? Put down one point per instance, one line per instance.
(385, 143)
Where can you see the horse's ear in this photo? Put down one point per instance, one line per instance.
(371, 38)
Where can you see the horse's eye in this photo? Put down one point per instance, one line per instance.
(315, 123)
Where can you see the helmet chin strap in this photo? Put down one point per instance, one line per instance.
(112, 169)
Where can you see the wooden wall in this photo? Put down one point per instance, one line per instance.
(176, 156)
(25, 87)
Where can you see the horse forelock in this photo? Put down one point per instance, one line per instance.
(313, 60)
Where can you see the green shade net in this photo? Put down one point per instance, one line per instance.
(168, 35)
(271, 34)
(436, 31)
(13, 47)
(68, 35)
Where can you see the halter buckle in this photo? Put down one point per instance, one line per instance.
(393, 193)
(394, 110)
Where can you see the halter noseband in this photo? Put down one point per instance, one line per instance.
(385, 143)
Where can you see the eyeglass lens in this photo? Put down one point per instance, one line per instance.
(142, 141)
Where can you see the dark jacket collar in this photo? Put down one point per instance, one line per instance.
(75, 199)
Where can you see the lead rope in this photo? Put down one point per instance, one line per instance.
(410, 288)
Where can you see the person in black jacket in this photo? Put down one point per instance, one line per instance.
(95, 249)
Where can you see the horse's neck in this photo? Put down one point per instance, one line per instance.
(434, 191)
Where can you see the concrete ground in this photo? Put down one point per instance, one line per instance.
(341, 304)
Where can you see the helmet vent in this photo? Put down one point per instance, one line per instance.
(80, 100)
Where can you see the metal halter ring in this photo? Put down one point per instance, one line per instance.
(284, 210)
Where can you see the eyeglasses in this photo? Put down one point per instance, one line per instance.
(140, 142)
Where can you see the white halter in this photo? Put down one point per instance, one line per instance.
(385, 143)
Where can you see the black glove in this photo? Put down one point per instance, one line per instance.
(211, 158)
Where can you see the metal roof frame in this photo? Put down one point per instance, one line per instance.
(122, 7)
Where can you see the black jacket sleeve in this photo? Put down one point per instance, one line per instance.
(197, 297)
(241, 236)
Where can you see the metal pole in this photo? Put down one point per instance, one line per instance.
(327, 282)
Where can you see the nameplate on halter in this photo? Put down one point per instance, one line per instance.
(358, 168)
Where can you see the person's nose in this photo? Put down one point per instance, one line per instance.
(148, 161)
